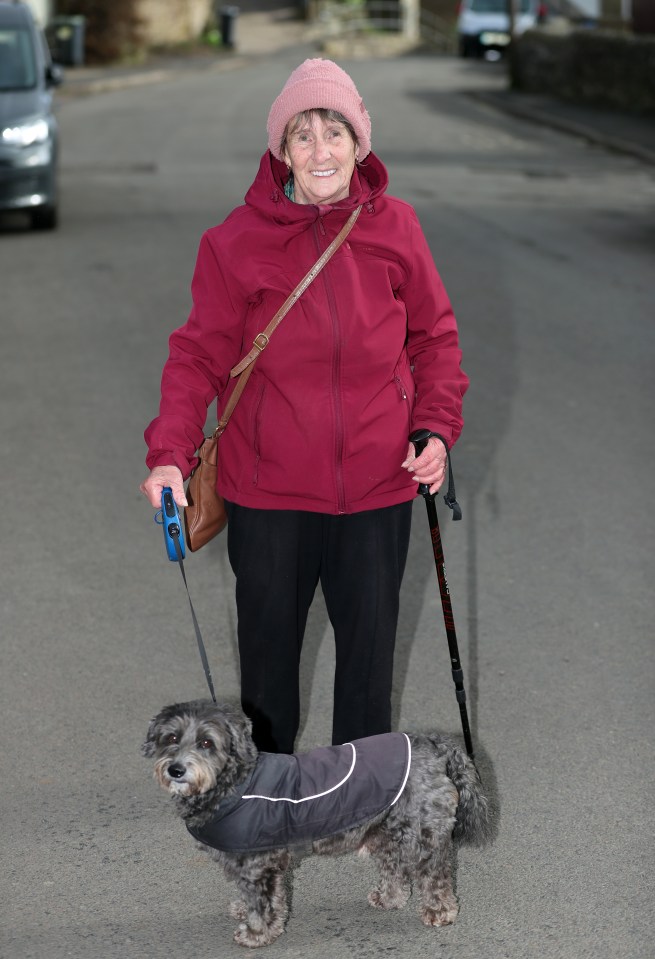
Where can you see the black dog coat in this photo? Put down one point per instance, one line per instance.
(296, 799)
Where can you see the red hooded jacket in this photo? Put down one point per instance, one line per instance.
(367, 354)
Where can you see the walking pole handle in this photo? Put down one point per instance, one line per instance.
(420, 440)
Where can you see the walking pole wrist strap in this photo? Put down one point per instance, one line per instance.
(450, 498)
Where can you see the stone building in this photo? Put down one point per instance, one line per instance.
(173, 21)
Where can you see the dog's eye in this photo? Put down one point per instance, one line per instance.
(172, 739)
(206, 744)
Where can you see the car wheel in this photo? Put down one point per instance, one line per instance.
(44, 218)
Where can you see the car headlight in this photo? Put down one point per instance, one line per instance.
(25, 134)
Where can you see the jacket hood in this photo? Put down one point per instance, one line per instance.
(369, 181)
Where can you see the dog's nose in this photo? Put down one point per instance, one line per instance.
(176, 770)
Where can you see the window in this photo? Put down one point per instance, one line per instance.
(17, 63)
(499, 6)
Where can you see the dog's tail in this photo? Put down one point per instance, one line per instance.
(473, 818)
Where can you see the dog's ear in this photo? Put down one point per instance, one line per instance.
(239, 728)
(164, 716)
(148, 747)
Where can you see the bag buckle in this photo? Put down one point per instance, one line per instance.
(261, 346)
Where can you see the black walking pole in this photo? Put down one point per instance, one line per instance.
(420, 438)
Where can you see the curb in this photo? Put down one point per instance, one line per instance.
(80, 87)
(503, 104)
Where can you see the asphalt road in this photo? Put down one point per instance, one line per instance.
(546, 247)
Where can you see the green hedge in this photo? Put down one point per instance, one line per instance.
(591, 66)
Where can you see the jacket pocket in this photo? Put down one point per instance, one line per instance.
(405, 394)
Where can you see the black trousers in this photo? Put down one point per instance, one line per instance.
(278, 558)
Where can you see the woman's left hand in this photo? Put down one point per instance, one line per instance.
(430, 466)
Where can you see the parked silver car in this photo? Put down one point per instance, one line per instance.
(483, 25)
(28, 129)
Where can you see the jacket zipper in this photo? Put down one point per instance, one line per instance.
(336, 380)
(257, 432)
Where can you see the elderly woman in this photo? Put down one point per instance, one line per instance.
(315, 465)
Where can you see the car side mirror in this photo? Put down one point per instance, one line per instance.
(54, 74)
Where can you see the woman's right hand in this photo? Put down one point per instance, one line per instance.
(160, 477)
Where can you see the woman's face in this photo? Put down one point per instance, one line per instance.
(321, 154)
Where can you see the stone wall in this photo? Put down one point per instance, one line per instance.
(643, 16)
(592, 66)
(173, 21)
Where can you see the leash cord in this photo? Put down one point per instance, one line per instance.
(201, 645)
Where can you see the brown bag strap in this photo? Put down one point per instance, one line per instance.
(244, 368)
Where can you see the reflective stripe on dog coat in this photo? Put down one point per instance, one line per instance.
(307, 796)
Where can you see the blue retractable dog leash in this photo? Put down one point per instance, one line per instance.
(169, 518)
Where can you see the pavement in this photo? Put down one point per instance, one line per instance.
(546, 246)
(629, 134)
(264, 27)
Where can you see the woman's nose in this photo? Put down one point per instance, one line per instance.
(321, 148)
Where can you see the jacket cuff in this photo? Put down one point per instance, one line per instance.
(171, 458)
(444, 433)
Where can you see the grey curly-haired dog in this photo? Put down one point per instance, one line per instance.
(400, 798)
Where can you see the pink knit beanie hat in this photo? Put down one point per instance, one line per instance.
(314, 85)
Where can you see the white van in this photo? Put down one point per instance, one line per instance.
(483, 25)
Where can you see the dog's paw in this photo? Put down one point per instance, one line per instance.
(238, 910)
(391, 899)
(442, 915)
(244, 935)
